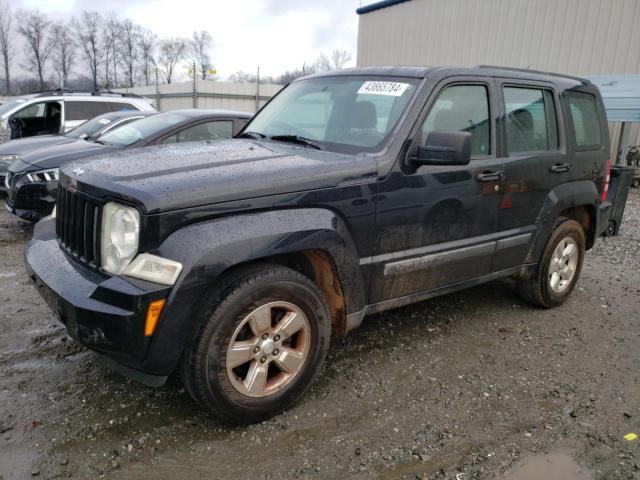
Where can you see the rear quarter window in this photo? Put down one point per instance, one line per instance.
(585, 118)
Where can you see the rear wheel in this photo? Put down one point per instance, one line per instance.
(559, 268)
(261, 341)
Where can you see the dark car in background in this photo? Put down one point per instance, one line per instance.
(32, 180)
(14, 149)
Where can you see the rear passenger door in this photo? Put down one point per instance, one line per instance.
(76, 112)
(535, 160)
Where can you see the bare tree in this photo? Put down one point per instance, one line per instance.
(128, 47)
(172, 51)
(242, 77)
(88, 34)
(6, 47)
(201, 46)
(34, 27)
(335, 61)
(110, 36)
(63, 52)
(148, 42)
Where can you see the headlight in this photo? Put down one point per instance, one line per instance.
(154, 269)
(119, 236)
(51, 175)
(7, 160)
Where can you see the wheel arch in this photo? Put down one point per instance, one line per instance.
(315, 242)
(575, 200)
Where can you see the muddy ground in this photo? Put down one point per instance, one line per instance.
(476, 383)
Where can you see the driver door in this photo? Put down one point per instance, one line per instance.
(434, 223)
(36, 119)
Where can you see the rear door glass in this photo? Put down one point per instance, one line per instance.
(531, 121)
(82, 110)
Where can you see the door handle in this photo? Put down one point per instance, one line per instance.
(560, 167)
(490, 176)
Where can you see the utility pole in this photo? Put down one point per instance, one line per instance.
(157, 89)
(258, 90)
(194, 92)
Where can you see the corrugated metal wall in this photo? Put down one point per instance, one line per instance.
(578, 37)
(581, 37)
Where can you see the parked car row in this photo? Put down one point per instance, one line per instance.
(58, 111)
(32, 164)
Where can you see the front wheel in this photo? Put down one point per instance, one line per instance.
(559, 268)
(261, 341)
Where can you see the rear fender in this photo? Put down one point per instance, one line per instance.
(561, 198)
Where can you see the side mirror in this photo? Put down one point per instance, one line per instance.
(444, 148)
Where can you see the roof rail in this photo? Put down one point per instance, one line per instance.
(98, 92)
(539, 72)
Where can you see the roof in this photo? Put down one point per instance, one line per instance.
(378, 5)
(193, 112)
(621, 96)
(388, 71)
(480, 70)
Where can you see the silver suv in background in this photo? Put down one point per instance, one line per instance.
(58, 111)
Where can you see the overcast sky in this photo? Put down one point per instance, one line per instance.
(277, 35)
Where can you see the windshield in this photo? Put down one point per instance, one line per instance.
(349, 113)
(141, 129)
(90, 127)
(7, 107)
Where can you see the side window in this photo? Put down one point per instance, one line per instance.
(79, 110)
(202, 132)
(586, 120)
(463, 108)
(531, 121)
(36, 110)
(120, 106)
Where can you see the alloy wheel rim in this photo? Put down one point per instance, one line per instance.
(268, 349)
(564, 264)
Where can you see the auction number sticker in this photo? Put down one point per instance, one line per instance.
(394, 89)
(104, 121)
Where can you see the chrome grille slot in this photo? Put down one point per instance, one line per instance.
(77, 225)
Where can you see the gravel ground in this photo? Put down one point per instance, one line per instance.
(473, 385)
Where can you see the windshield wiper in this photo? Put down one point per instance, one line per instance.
(252, 135)
(95, 140)
(298, 139)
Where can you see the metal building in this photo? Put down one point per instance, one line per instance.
(577, 37)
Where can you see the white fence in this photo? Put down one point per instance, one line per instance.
(243, 97)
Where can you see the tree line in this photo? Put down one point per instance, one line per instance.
(94, 51)
(91, 51)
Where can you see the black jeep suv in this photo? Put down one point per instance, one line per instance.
(349, 193)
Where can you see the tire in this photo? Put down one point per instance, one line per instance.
(635, 183)
(539, 289)
(233, 327)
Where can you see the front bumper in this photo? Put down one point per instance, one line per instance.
(105, 313)
(31, 201)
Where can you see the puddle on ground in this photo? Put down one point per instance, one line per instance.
(555, 466)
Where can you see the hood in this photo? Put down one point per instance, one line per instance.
(53, 156)
(170, 177)
(21, 146)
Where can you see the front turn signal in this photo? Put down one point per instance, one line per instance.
(155, 309)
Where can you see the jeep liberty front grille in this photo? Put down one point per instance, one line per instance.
(77, 225)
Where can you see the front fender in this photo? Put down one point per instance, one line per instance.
(207, 249)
